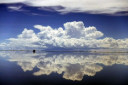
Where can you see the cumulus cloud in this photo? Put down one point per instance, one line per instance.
(74, 35)
(66, 6)
(73, 66)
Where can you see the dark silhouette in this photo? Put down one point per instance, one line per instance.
(34, 51)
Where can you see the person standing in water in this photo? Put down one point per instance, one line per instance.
(34, 51)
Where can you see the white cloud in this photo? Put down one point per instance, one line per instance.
(11, 1)
(28, 34)
(78, 30)
(74, 36)
(67, 6)
(18, 8)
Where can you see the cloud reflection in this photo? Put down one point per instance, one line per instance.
(74, 66)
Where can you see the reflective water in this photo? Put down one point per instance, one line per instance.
(63, 68)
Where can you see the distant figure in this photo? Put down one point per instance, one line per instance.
(34, 51)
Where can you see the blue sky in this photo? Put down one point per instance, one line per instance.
(17, 15)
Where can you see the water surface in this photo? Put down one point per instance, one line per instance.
(63, 68)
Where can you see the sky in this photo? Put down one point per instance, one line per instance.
(63, 24)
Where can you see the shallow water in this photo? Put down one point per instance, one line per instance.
(63, 68)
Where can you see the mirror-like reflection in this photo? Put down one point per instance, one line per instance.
(73, 66)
